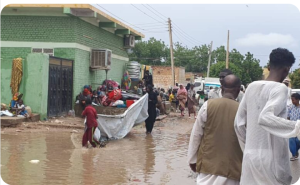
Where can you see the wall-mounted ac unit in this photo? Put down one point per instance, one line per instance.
(100, 59)
(129, 41)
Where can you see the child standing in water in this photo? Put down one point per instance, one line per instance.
(91, 124)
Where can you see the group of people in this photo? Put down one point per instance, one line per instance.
(246, 142)
(104, 95)
(99, 96)
(183, 97)
(17, 107)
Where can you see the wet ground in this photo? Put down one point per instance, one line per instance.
(160, 158)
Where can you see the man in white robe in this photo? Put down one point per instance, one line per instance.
(289, 101)
(262, 128)
(213, 152)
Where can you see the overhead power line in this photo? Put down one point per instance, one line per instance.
(148, 23)
(186, 38)
(158, 26)
(180, 30)
(146, 14)
(154, 13)
(132, 25)
(178, 38)
(157, 11)
(175, 25)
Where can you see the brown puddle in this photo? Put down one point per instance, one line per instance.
(136, 159)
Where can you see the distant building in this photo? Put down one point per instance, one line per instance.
(162, 76)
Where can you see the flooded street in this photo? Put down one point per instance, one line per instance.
(159, 158)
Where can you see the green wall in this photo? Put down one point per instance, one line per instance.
(58, 30)
(34, 84)
(7, 56)
(36, 79)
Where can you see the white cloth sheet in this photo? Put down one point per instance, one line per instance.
(118, 126)
(195, 140)
(263, 134)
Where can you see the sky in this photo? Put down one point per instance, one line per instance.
(254, 28)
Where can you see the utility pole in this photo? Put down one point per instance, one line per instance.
(208, 66)
(171, 51)
(227, 53)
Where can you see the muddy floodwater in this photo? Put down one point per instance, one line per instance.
(160, 158)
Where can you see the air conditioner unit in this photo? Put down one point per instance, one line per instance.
(100, 59)
(129, 41)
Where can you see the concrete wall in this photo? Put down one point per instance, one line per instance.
(36, 77)
(162, 76)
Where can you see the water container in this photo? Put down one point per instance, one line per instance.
(134, 70)
(129, 103)
(71, 113)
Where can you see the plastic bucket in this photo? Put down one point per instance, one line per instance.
(129, 103)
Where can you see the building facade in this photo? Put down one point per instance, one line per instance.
(58, 40)
(162, 76)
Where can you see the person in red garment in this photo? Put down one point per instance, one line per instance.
(91, 124)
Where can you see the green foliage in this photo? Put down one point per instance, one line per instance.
(246, 68)
(155, 52)
(295, 79)
(151, 52)
(219, 66)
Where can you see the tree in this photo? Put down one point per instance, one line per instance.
(219, 66)
(156, 52)
(219, 54)
(295, 79)
(247, 69)
(150, 52)
(252, 71)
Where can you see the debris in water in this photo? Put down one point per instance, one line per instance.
(57, 121)
(18, 131)
(34, 161)
(74, 131)
(47, 128)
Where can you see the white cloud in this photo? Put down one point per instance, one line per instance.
(271, 39)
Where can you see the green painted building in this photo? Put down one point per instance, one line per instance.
(59, 37)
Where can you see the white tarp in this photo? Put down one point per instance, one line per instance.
(118, 126)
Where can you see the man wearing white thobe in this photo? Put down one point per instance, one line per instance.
(214, 151)
(262, 128)
(289, 101)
